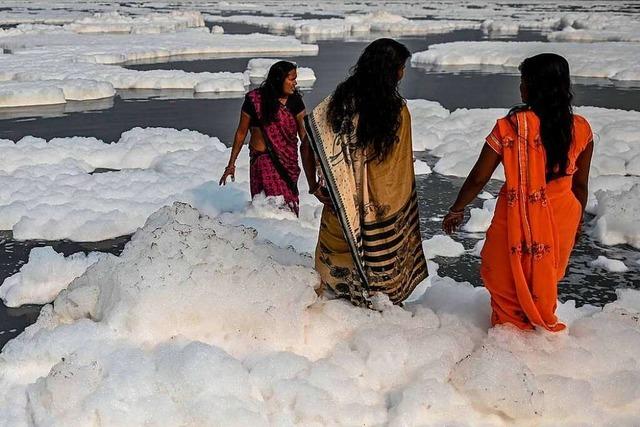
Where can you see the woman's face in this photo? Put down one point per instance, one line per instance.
(290, 83)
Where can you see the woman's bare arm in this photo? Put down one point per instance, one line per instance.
(580, 185)
(238, 140)
(482, 171)
(309, 162)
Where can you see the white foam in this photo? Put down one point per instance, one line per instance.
(421, 167)
(153, 23)
(200, 322)
(258, 68)
(376, 22)
(47, 272)
(570, 34)
(493, 27)
(48, 92)
(51, 65)
(480, 218)
(614, 61)
(613, 265)
(49, 191)
(617, 216)
(477, 248)
(442, 245)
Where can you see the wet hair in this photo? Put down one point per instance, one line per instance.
(371, 92)
(271, 89)
(548, 94)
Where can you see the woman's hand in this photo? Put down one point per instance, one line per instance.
(229, 171)
(452, 221)
(322, 194)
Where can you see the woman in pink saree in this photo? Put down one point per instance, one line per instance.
(273, 113)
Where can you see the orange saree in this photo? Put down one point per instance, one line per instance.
(534, 225)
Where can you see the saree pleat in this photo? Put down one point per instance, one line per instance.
(372, 242)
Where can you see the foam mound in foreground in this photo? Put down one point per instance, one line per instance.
(200, 324)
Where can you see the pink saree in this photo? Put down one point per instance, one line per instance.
(282, 136)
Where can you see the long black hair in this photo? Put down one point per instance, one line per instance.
(371, 92)
(547, 86)
(271, 89)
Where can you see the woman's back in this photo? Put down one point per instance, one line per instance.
(505, 132)
(387, 176)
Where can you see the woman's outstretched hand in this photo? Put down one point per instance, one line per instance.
(452, 221)
(229, 171)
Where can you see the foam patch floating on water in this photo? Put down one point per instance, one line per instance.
(51, 65)
(613, 61)
(612, 265)
(442, 245)
(258, 68)
(46, 273)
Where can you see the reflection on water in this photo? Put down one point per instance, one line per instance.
(203, 57)
(164, 94)
(56, 110)
(483, 69)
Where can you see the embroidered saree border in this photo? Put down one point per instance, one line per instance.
(311, 125)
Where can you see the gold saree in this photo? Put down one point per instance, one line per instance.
(372, 242)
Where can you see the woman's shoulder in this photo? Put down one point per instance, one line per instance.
(507, 123)
(582, 130)
(252, 92)
(578, 120)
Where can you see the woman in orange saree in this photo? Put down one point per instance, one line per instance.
(546, 151)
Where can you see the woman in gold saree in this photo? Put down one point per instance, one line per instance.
(369, 238)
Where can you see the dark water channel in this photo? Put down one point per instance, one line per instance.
(217, 117)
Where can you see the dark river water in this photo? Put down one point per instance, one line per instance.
(218, 117)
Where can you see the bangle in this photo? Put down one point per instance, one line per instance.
(460, 212)
(230, 167)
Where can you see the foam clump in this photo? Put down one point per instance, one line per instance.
(45, 274)
(153, 23)
(258, 68)
(480, 218)
(49, 92)
(421, 167)
(493, 27)
(201, 322)
(50, 64)
(612, 265)
(614, 61)
(617, 217)
(145, 169)
(350, 24)
(442, 245)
